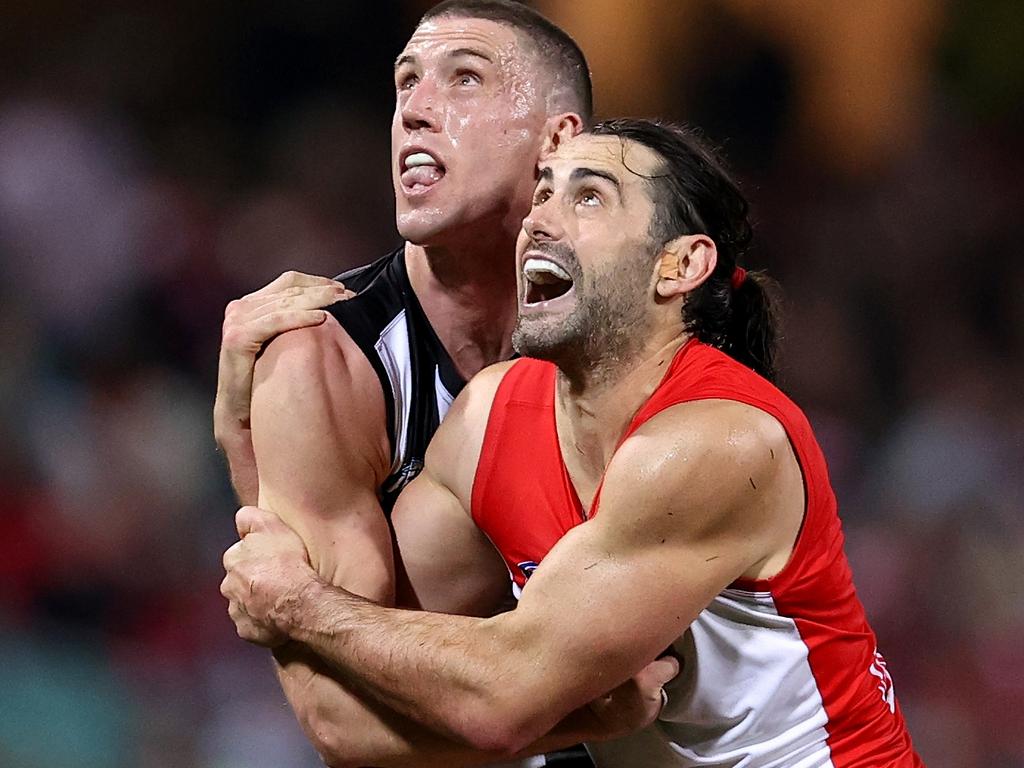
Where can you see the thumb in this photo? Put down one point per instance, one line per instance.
(656, 674)
(250, 519)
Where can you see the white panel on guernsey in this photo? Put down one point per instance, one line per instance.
(444, 397)
(530, 762)
(745, 697)
(393, 348)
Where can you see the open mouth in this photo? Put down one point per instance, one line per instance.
(545, 280)
(421, 170)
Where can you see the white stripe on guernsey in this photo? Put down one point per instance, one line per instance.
(393, 349)
(517, 591)
(529, 762)
(745, 697)
(444, 397)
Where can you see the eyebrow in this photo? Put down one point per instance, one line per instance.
(409, 58)
(470, 52)
(578, 174)
(582, 173)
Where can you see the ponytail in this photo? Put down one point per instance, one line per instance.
(736, 316)
(751, 335)
(694, 192)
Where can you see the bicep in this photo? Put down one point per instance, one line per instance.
(636, 575)
(450, 565)
(317, 426)
(609, 606)
(446, 563)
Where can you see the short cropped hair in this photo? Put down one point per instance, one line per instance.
(558, 52)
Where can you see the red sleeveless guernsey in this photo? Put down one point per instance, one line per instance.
(782, 672)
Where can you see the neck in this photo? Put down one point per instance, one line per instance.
(594, 410)
(468, 293)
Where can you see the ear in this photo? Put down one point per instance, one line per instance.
(685, 263)
(557, 130)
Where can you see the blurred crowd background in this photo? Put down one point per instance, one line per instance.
(157, 160)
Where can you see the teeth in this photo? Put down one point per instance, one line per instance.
(542, 270)
(419, 158)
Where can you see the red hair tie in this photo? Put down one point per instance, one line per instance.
(738, 276)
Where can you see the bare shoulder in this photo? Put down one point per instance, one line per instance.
(477, 396)
(454, 453)
(715, 429)
(307, 353)
(318, 380)
(713, 467)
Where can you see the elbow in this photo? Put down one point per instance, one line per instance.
(333, 759)
(335, 745)
(337, 753)
(501, 724)
(511, 706)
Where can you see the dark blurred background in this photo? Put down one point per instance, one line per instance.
(157, 160)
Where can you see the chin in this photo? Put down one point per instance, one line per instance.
(421, 227)
(542, 342)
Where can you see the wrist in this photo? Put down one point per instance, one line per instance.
(293, 613)
(230, 429)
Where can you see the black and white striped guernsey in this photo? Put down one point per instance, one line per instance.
(419, 381)
(418, 377)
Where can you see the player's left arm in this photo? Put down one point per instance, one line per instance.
(702, 494)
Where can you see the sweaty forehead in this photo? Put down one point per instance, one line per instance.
(445, 35)
(626, 159)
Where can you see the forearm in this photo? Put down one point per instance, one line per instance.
(348, 731)
(469, 686)
(236, 445)
(343, 729)
(350, 547)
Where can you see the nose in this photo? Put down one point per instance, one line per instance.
(541, 223)
(418, 109)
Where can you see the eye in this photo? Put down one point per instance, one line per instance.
(406, 82)
(589, 198)
(541, 196)
(467, 77)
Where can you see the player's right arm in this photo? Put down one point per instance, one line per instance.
(451, 567)
(320, 444)
(349, 731)
(322, 451)
(293, 300)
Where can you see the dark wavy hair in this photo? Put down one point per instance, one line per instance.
(693, 192)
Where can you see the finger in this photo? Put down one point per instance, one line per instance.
(254, 519)
(296, 297)
(241, 342)
(274, 324)
(244, 625)
(249, 519)
(230, 558)
(229, 591)
(292, 278)
(656, 674)
(249, 630)
(250, 323)
(250, 338)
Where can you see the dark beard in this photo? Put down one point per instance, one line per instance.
(604, 329)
